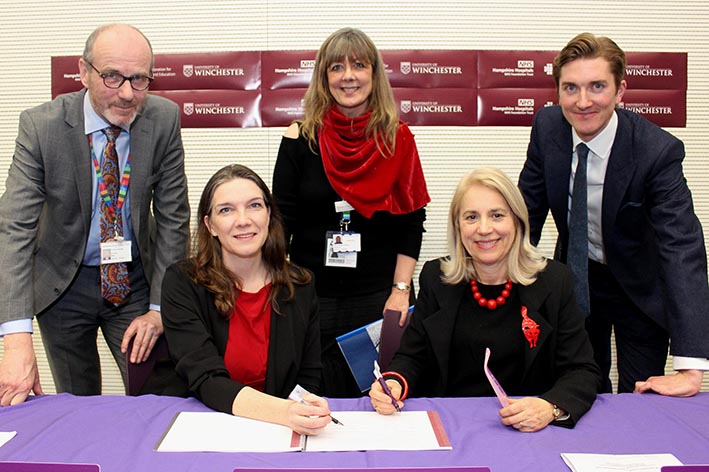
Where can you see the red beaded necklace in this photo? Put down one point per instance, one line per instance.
(492, 303)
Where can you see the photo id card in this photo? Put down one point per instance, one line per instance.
(345, 241)
(341, 249)
(115, 250)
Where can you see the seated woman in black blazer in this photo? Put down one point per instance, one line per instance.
(495, 291)
(240, 320)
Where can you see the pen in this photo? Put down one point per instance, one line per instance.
(385, 387)
(298, 395)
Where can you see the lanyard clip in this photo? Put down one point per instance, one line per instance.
(345, 221)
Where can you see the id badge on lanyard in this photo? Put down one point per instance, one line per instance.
(341, 247)
(115, 250)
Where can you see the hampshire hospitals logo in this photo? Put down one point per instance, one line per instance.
(405, 106)
(187, 70)
(405, 67)
(188, 108)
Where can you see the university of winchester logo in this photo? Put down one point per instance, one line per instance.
(187, 70)
(405, 67)
(188, 108)
(405, 106)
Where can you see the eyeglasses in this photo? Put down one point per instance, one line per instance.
(114, 80)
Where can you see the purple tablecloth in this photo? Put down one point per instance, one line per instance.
(119, 433)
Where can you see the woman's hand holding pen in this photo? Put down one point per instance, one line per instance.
(309, 417)
(381, 402)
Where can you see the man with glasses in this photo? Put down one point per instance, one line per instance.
(95, 208)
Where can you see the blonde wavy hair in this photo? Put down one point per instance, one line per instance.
(353, 44)
(524, 262)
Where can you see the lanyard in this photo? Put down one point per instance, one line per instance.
(103, 190)
(345, 221)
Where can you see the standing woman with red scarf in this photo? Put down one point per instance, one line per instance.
(349, 184)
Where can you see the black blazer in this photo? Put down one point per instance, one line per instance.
(197, 338)
(653, 240)
(560, 369)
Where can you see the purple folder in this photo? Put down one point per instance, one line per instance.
(47, 467)
(685, 468)
(391, 337)
(375, 469)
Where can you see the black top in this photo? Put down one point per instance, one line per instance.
(307, 202)
(477, 328)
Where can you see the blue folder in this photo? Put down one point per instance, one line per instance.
(361, 348)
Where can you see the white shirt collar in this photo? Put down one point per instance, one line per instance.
(600, 145)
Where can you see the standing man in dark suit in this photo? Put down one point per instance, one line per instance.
(646, 273)
(80, 249)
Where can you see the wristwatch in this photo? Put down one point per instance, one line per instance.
(403, 286)
(558, 414)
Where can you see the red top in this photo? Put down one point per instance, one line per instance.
(246, 352)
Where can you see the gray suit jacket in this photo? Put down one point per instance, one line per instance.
(45, 212)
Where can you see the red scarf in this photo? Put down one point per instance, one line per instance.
(360, 174)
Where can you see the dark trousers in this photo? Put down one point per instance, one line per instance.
(641, 344)
(339, 316)
(70, 326)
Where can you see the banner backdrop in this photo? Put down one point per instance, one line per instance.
(431, 87)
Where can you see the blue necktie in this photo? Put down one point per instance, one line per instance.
(577, 257)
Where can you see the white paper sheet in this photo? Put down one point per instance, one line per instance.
(618, 462)
(5, 436)
(220, 432)
(362, 431)
(369, 431)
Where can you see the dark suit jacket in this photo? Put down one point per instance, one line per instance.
(45, 212)
(197, 337)
(653, 240)
(560, 369)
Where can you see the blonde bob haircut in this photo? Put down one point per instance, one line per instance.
(524, 261)
(353, 44)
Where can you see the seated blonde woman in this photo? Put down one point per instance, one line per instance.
(495, 291)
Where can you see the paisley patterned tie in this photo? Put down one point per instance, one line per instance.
(115, 284)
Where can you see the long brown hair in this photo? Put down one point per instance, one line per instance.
(355, 44)
(208, 267)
